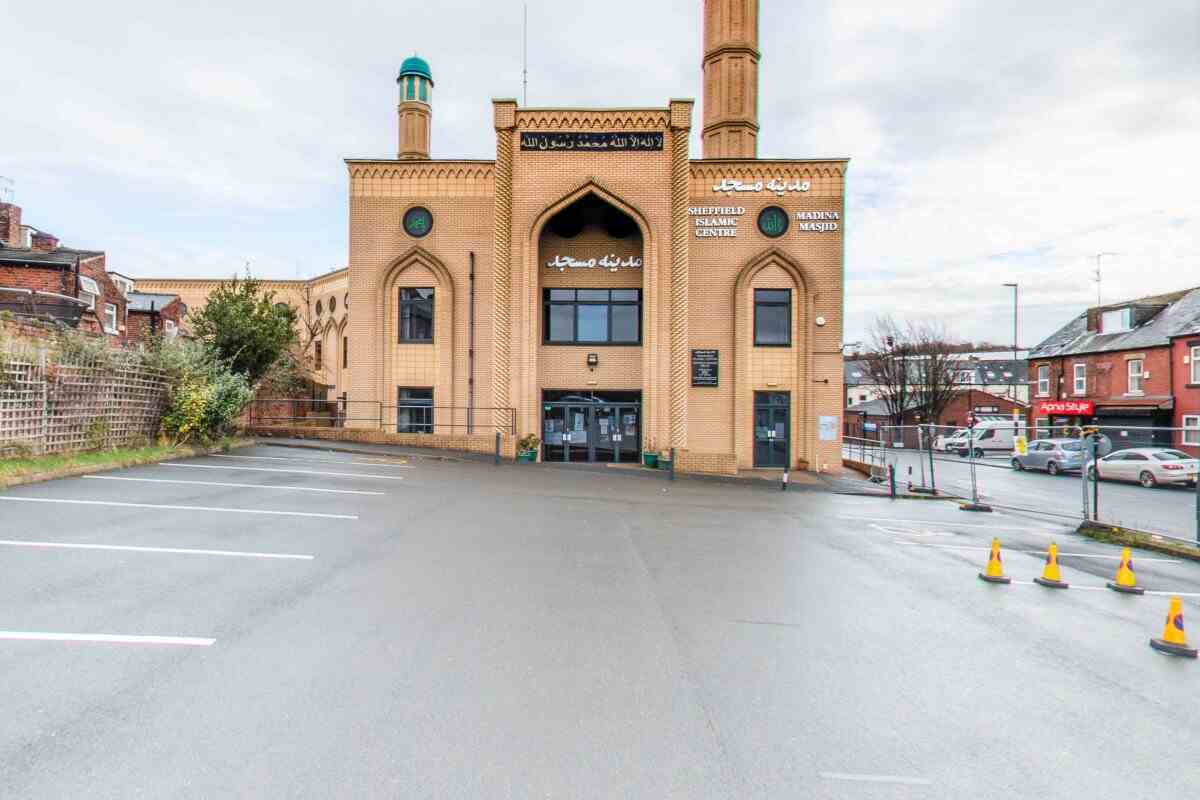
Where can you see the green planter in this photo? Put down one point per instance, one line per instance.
(650, 460)
(664, 463)
(529, 456)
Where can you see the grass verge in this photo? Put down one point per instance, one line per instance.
(1129, 537)
(17, 471)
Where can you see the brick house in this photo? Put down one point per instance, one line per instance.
(151, 314)
(39, 277)
(1124, 367)
(865, 420)
(1185, 363)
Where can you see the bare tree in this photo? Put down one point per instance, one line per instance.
(913, 367)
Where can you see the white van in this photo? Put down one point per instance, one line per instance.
(950, 442)
(992, 436)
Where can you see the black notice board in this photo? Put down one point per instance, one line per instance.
(706, 368)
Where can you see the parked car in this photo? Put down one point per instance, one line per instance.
(992, 437)
(1052, 455)
(950, 442)
(1149, 466)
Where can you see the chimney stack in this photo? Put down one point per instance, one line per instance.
(730, 79)
(43, 242)
(10, 225)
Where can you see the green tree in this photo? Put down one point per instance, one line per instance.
(245, 327)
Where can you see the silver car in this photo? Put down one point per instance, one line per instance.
(1052, 455)
(1149, 466)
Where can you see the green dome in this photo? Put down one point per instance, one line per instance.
(415, 65)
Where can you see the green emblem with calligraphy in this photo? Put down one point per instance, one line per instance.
(773, 222)
(418, 222)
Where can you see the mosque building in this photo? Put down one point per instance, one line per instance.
(596, 286)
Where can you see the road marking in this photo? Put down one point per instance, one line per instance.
(1157, 592)
(105, 638)
(908, 532)
(233, 485)
(176, 508)
(925, 522)
(286, 471)
(139, 549)
(1031, 552)
(849, 776)
(317, 461)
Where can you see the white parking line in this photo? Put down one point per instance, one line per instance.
(231, 485)
(933, 522)
(286, 471)
(176, 508)
(1061, 554)
(849, 776)
(105, 638)
(139, 549)
(316, 461)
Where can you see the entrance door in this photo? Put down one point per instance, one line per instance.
(580, 428)
(772, 428)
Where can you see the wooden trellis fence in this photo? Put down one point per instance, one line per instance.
(52, 407)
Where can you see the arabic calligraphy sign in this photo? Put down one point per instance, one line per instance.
(610, 262)
(775, 185)
(591, 141)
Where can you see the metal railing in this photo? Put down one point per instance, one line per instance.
(404, 418)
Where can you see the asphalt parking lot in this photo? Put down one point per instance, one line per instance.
(282, 622)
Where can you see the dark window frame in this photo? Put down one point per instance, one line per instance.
(773, 304)
(402, 303)
(575, 302)
(424, 426)
(345, 352)
(318, 356)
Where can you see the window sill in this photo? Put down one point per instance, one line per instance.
(756, 344)
(414, 341)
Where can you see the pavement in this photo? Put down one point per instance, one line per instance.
(343, 624)
(1163, 509)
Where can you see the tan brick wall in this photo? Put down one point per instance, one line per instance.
(479, 443)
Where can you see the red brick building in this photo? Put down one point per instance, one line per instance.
(865, 420)
(39, 277)
(1125, 367)
(154, 314)
(1185, 364)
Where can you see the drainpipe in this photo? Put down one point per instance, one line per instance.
(471, 353)
(76, 277)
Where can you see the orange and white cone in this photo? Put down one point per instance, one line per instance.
(994, 571)
(1052, 576)
(1125, 581)
(1173, 641)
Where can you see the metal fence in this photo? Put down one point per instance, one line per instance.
(1146, 473)
(404, 418)
(50, 405)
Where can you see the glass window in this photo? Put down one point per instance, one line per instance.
(416, 315)
(1135, 457)
(414, 410)
(1043, 373)
(773, 317)
(1116, 321)
(345, 352)
(316, 355)
(424, 91)
(1081, 379)
(1172, 455)
(110, 318)
(410, 88)
(1191, 430)
(88, 291)
(1195, 365)
(592, 316)
(1135, 376)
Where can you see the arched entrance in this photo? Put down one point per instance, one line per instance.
(590, 329)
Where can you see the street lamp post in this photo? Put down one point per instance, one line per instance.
(1013, 381)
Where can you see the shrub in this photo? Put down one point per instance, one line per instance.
(204, 396)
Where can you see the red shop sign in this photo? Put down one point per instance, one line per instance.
(1073, 408)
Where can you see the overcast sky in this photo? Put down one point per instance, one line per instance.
(991, 141)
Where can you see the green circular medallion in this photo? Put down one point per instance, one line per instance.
(418, 222)
(773, 222)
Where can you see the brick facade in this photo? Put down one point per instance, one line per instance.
(1185, 365)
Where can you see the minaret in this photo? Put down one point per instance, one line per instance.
(416, 95)
(730, 79)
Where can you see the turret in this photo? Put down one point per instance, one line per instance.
(730, 79)
(415, 112)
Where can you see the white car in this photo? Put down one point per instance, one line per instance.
(1149, 466)
(950, 442)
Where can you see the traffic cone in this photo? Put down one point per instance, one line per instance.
(1173, 642)
(1051, 575)
(994, 571)
(1125, 581)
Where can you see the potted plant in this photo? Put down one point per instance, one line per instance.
(664, 458)
(527, 448)
(650, 454)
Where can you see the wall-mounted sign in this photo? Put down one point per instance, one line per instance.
(591, 141)
(827, 428)
(706, 368)
(772, 222)
(418, 222)
(610, 262)
(1080, 408)
(775, 185)
(711, 222)
(819, 221)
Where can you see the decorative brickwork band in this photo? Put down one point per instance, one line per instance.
(502, 269)
(680, 365)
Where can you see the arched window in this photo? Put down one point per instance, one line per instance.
(332, 304)
(410, 88)
(320, 308)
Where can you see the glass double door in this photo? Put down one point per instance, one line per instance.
(772, 428)
(605, 433)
